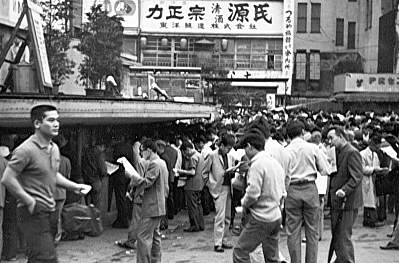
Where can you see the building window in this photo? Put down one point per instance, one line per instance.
(369, 14)
(302, 17)
(339, 33)
(315, 18)
(300, 65)
(314, 62)
(351, 35)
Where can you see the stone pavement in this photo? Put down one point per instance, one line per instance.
(181, 247)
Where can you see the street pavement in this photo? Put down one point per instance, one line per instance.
(182, 247)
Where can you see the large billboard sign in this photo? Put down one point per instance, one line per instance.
(10, 10)
(212, 17)
(128, 9)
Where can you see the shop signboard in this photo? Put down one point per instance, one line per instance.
(352, 82)
(210, 17)
(127, 9)
(35, 21)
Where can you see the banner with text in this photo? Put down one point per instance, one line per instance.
(213, 17)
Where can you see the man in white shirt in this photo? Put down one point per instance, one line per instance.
(302, 203)
(262, 200)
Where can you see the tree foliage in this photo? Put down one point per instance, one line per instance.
(101, 43)
(56, 15)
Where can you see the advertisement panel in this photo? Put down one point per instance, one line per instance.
(384, 83)
(128, 9)
(210, 17)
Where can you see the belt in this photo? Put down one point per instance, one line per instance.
(302, 182)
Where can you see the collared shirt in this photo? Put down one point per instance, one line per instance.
(195, 161)
(278, 152)
(36, 165)
(265, 188)
(305, 161)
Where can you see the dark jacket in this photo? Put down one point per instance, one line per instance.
(348, 178)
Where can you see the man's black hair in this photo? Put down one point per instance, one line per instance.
(186, 145)
(339, 131)
(295, 129)
(255, 140)
(38, 112)
(227, 139)
(149, 144)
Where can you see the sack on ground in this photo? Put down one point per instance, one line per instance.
(78, 219)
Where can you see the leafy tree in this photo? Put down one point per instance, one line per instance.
(101, 43)
(57, 17)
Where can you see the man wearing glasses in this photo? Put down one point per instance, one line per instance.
(154, 186)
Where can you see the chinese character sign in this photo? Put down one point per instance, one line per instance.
(128, 9)
(212, 17)
(288, 42)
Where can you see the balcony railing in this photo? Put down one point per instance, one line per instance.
(215, 62)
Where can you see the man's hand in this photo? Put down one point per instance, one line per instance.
(340, 193)
(82, 189)
(31, 206)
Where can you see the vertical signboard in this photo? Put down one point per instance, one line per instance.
(35, 23)
(288, 43)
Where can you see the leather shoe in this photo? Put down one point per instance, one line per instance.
(227, 246)
(387, 247)
(219, 249)
(190, 229)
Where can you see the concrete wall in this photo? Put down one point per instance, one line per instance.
(330, 11)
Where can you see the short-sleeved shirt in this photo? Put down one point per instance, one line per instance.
(37, 166)
(195, 183)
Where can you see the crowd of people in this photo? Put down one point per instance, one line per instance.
(278, 170)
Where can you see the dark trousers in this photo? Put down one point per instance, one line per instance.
(170, 201)
(94, 196)
(10, 230)
(40, 229)
(207, 201)
(382, 208)
(235, 202)
(180, 201)
(343, 245)
(370, 216)
(194, 207)
(120, 184)
(254, 233)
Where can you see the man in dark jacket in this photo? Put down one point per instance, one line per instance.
(345, 186)
(120, 184)
(93, 171)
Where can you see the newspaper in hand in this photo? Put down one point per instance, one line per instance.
(129, 169)
(111, 168)
(390, 152)
(85, 189)
(332, 159)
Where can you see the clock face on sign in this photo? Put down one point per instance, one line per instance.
(125, 7)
